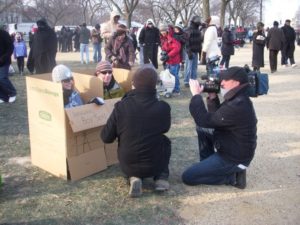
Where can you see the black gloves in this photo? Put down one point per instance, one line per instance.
(164, 56)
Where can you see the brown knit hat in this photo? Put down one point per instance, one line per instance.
(103, 66)
(121, 29)
(145, 78)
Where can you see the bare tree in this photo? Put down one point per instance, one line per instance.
(243, 10)
(127, 10)
(206, 9)
(52, 10)
(223, 10)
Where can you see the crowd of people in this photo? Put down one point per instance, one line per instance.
(139, 121)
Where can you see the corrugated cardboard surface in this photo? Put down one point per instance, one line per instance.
(122, 76)
(46, 124)
(55, 147)
(90, 115)
(87, 164)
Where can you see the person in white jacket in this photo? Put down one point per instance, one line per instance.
(109, 27)
(210, 48)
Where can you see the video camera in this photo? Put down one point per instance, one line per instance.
(212, 79)
(164, 56)
(258, 82)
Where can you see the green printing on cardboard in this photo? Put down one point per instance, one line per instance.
(45, 91)
(45, 115)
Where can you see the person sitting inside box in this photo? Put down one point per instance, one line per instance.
(139, 122)
(110, 86)
(63, 74)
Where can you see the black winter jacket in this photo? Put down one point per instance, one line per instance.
(195, 39)
(139, 121)
(149, 36)
(6, 48)
(227, 43)
(234, 122)
(275, 39)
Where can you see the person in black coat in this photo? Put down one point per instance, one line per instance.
(227, 48)
(226, 132)
(150, 40)
(44, 47)
(139, 122)
(7, 90)
(274, 42)
(289, 45)
(259, 41)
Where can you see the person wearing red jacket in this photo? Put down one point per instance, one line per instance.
(170, 54)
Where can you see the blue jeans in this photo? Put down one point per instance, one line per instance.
(141, 55)
(174, 70)
(6, 87)
(212, 168)
(84, 48)
(191, 66)
(97, 52)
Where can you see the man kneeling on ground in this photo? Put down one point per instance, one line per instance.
(226, 132)
(139, 121)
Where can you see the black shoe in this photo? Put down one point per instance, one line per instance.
(187, 85)
(241, 180)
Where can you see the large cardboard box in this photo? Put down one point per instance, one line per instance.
(122, 76)
(66, 142)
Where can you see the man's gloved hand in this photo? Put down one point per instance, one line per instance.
(203, 58)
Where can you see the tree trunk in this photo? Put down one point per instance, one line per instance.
(260, 10)
(206, 11)
(223, 10)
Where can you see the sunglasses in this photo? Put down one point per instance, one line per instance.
(106, 72)
(67, 80)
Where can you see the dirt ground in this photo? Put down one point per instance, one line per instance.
(272, 195)
(32, 196)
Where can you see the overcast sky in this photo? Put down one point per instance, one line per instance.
(280, 10)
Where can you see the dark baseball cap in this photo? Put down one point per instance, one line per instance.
(235, 73)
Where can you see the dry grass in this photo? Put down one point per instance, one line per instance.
(32, 196)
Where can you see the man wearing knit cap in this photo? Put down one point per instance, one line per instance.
(139, 121)
(119, 50)
(226, 132)
(110, 86)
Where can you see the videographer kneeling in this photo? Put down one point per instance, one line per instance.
(226, 132)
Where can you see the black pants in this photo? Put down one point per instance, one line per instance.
(20, 62)
(225, 59)
(150, 54)
(273, 60)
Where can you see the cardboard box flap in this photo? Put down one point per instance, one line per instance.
(88, 86)
(90, 115)
(86, 164)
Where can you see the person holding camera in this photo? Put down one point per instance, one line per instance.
(170, 55)
(226, 132)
